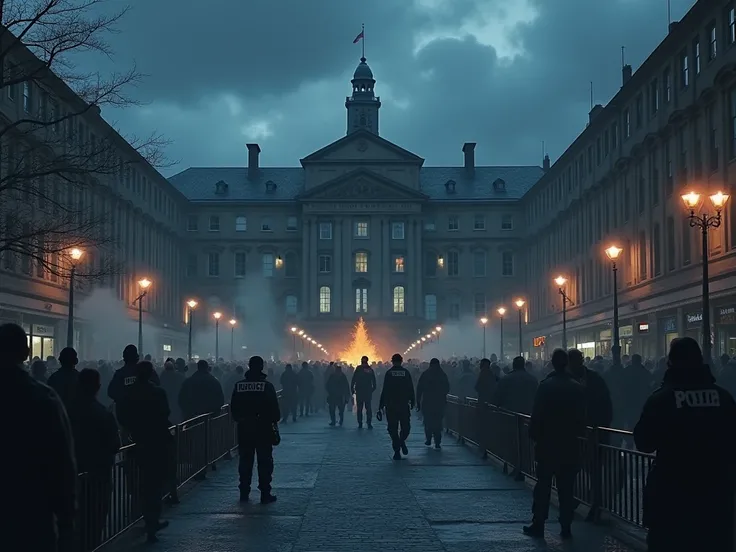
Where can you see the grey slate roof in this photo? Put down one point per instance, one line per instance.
(198, 183)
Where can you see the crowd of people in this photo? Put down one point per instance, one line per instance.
(67, 426)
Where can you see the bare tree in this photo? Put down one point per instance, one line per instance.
(57, 154)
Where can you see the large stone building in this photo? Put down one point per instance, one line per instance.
(671, 128)
(362, 228)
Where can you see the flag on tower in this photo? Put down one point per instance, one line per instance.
(359, 37)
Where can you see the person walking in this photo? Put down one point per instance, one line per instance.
(397, 398)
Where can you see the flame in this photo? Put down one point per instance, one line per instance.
(361, 345)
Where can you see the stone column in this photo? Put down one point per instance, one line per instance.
(385, 268)
(338, 268)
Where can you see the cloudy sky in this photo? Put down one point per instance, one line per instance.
(507, 74)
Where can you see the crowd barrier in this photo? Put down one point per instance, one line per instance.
(109, 502)
(613, 473)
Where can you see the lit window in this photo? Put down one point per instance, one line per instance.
(398, 263)
(291, 305)
(267, 260)
(324, 300)
(241, 224)
(240, 260)
(361, 300)
(291, 224)
(399, 306)
(361, 229)
(325, 230)
(479, 222)
(430, 307)
(507, 222)
(361, 261)
(397, 230)
(214, 223)
(213, 265)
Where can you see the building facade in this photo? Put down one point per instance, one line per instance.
(670, 129)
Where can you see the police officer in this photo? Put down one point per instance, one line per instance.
(362, 385)
(432, 391)
(143, 409)
(255, 408)
(397, 397)
(689, 423)
(126, 375)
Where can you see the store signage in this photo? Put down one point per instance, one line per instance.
(693, 319)
(643, 327)
(606, 335)
(539, 341)
(43, 330)
(669, 325)
(626, 331)
(726, 315)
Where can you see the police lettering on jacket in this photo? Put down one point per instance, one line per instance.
(250, 387)
(699, 398)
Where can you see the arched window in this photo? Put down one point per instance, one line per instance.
(399, 305)
(325, 303)
(430, 307)
(361, 262)
(268, 265)
(291, 269)
(291, 305)
(241, 224)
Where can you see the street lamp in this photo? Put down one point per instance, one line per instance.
(484, 321)
(143, 284)
(217, 316)
(232, 338)
(279, 261)
(520, 303)
(561, 281)
(293, 341)
(74, 255)
(191, 304)
(501, 311)
(705, 221)
(613, 253)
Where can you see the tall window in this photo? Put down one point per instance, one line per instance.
(669, 175)
(667, 84)
(241, 224)
(213, 264)
(361, 261)
(479, 263)
(27, 97)
(627, 123)
(685, 67)
(642, 255)
(507, 222)
(325, 302)
(507, 263)
(361, 300)
(712, 42)
(325, 230)
(240, 260)
(397, 230)
(670, 244)
(430, 307)
(325, 264)
(731, 22)
(292, 305)
(399, 306)
(291, 268)
(398, 263)
(479, 304)
(214, 223)
(696, 55)
(361, 229)
(430, 264)
(453, 263)
(657, 250)
(653, 97)
(453, 223)
(454, 308)
(267, 261)
(686, 242)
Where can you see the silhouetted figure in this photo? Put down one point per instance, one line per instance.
(432, 390)
(143, 409)
(40, 475)
(171, 382)
(557, 422)
(338, 393)
(96, 441)
(363, 384)
(289, 393)
(201, 393)
(39, 370)
(516, 390)
(126, 375)
(397, 397)
(306, 390)
(485, 385)
(232, 378)
(255, 408)
(689, 423)
(64, 380)
(466, 382)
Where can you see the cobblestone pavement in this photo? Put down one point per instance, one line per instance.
(339, 491)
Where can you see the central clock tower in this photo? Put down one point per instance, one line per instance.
(363, 105)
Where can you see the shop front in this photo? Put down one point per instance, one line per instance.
(605, 339)
(694, 325)
(626, 338)
(667, 331)
(725, 326)
(585, 343)
(646, 345)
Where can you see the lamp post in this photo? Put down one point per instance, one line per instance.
(613, 253)
(438, 329)
(232, 338)
(705, 221)
(501, 311)
(143, 284)
(293, 341)
(74, 255)
(217, 317)
(561, 281)
(483, 322)
(520, 303)
(191, 304)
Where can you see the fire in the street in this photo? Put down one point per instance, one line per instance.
(360, 345)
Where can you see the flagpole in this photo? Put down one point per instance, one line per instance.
(363, 41)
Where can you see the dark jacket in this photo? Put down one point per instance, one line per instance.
(171, 382)
(516, 392)
(201, 393)
(144, 411)
(466, 384)
(96, 436)
(398, 389)
(432, 389)
(337, 388)
(64, 382)
(363, 381)
(598, 405)
(124, 377)
(289, 383)
(255, 407)
(306, 382)
(485, 385)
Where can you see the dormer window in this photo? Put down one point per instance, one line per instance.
(270, 186)
(499, 185)
(221, 187)
(450, 186)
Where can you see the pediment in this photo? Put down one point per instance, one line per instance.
(362, 146)
(362, 185)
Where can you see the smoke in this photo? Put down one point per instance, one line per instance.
(113, 326)
(464, 338)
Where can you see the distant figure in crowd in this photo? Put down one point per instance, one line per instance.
(96, 442)
(362, 385)
(64, 380)
(126, 375)
(689, 423)
(201, 393)
(467, 381)
(171, 383)
(516, 390)
(338, 393)
(39, 487)
(432, 390)
(397, 397)
(557, 421)
(306, 390)
(289, 393)
(255, 408)
(485, 387)
(39, 370)
(142, 408)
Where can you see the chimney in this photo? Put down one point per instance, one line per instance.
(626, 72)
(253, 151)
(469, 151)
(597, 108)
(546, 163)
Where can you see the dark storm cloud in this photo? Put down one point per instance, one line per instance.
(277, 72)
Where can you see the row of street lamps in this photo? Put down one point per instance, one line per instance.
(217, 315)
(429, 337)
(305, 337)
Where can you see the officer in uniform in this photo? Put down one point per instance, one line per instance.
(255, 408)
(397, 397)
(362, 385)
(126, 375)
(689, 423)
